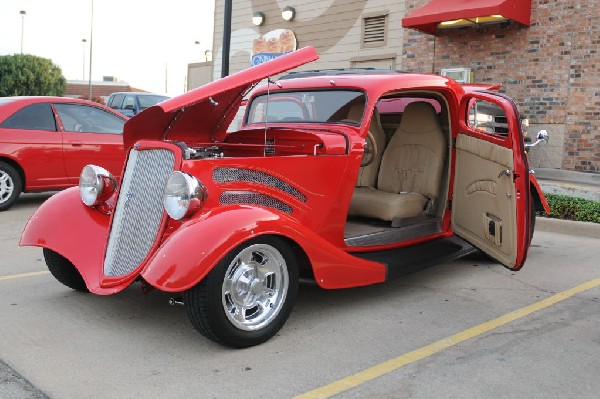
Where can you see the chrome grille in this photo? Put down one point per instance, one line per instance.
(228, 175)
(139, 210)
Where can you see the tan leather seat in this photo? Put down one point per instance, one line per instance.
(411, 168)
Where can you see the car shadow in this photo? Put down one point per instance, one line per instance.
(26, 200)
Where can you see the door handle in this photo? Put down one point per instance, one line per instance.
(76, 144)
(505, 172)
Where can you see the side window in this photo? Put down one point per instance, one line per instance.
(32, 117)
(88, 119)
(488, 118)
(116, 101)
(129, 102)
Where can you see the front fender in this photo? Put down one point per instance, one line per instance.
(192, 251)
(539, 199)
(65, 225)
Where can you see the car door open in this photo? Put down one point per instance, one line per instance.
(491, 199)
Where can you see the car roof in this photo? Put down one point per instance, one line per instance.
(138, 93)
(375, 83)
(337, 72)
(37, 99)
(8, 105)
(41, 99)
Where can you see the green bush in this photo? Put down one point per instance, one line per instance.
(30, 75)
(572, 208)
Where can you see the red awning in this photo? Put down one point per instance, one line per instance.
(440, 14)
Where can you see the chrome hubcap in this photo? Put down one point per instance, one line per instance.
(255, 287)
(7, 186)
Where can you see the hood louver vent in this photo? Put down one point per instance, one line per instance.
(229, 175)
(252, 198)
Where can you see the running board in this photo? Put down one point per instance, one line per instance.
(405, 260)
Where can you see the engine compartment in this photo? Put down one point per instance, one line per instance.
(270, 142)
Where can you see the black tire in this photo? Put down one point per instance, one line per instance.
(64, 271)
(212, 306)
(10, 186)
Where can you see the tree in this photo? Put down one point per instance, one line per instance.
(30, 75)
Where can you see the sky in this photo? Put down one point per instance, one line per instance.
(143, 42)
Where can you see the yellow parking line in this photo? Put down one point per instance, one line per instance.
(374, 372)
(32, 274)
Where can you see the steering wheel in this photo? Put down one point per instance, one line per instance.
(371, 150)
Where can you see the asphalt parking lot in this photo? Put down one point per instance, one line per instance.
(463, 329)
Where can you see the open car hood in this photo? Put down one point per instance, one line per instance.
(202, 114)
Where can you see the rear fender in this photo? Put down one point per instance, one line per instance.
(66, 226)
(191, 252)
(539, 200)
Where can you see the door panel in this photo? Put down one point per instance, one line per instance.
(484, 207)
(31, 138)
(491, 189)
(80, 149)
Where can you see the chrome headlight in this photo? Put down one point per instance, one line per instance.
(96, 185)
(184, 195)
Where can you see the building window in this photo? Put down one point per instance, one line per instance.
(374, 30)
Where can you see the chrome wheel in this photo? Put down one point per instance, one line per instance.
(248, 296)
(255, 287)
(7, 186)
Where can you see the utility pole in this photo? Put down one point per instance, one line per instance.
(83, 58)
(91, 45)
(226, 39)
(22, 12)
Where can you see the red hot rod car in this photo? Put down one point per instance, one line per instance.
(346, 179)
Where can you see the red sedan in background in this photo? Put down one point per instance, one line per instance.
(46, 141)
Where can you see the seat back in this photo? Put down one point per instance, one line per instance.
(414, 159)
(367, 175)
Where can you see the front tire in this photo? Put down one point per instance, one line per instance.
(64, 271)
(10, 186)
(248, 296)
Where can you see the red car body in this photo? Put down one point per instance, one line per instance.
(48, 140)
(285, 187)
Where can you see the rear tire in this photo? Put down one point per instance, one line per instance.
(248, 296)
(10, 186)
(64, 271)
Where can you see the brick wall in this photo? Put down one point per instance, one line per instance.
(551, 69)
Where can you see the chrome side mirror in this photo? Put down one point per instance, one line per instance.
(541, 136)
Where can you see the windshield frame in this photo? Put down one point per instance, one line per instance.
(275, 95)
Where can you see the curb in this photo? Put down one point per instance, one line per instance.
(570, 227)
(15, 386)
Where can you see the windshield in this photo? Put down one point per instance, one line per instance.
(308, 106)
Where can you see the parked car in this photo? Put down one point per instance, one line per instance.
(45, 141)
(344, 179)
(132, 103)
